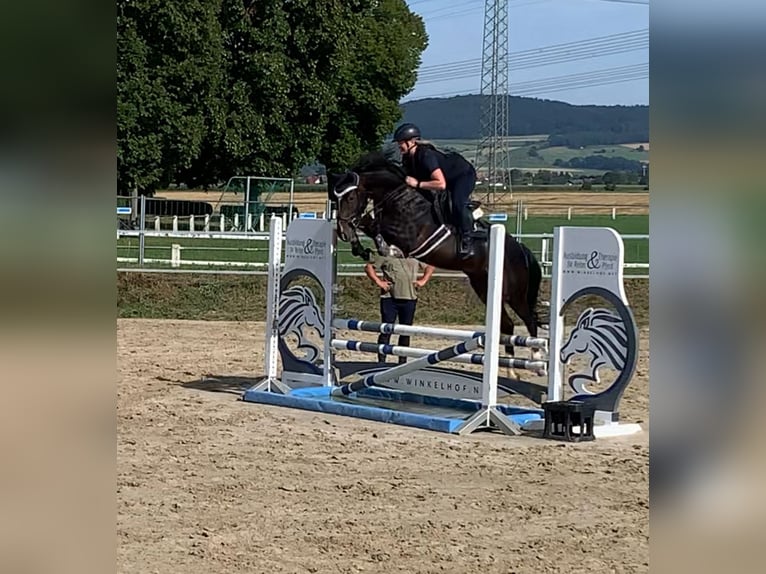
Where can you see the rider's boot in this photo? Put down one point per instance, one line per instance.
(465, 245)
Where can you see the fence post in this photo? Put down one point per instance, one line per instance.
(569, 213)
(175, 255)
(261, 222)
(614, 213)
(191, 223)
(236, 221)
(142, 232)
(222, 226)
(207, 222)
(175, 223)
(157, 223)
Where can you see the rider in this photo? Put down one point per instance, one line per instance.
(429, 168)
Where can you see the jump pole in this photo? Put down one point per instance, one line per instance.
(416, 353)
(396, 329)
(430, 359)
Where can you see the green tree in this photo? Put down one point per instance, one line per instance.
(211, 88)
(168, 78)
(379, 67)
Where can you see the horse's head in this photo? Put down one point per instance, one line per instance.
(298, 308)
(599, 332)
(577, 344)
(373, 177)
(352, 200)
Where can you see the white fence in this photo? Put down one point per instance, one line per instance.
(238, 259)
(176, 261)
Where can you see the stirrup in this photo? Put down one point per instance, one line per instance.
(465, 245)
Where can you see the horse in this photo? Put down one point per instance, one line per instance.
(415, 222)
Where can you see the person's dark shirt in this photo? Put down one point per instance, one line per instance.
(426, 160)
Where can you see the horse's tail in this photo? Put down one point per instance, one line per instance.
(533, 284)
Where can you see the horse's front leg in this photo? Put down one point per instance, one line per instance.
(372, 229)
(369, 227)
(359, 250)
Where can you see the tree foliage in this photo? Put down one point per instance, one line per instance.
(383, 57)
(212, 88)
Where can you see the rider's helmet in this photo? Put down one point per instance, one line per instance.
(406, 132)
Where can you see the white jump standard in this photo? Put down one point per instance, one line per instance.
(587, 261)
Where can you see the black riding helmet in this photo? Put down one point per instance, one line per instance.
(406, 132)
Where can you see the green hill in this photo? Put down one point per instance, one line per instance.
(458, 118)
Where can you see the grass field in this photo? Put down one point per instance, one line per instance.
(520, 156)
(520, 146)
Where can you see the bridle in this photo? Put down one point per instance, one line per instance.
(354, 219)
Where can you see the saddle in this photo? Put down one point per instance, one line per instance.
(442, 207)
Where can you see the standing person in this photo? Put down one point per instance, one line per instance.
(429, 168)
(398, 293)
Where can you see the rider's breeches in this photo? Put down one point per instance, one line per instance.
(461, 190)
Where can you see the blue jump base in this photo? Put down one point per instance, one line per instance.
(436, 413)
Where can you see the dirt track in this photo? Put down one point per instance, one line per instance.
(207, 483)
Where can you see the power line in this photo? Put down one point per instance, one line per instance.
(582, 78)
(640, 2)
(554, 49)
(596, 47)
(447, 7)
(472, 71)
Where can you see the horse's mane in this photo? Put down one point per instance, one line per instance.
(377, 161)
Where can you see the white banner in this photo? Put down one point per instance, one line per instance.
(588, 257)
(309, 245)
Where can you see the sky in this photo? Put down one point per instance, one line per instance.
(607, 41)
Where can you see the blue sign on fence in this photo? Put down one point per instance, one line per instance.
(494, 217)
(124, 211)
(307, 215)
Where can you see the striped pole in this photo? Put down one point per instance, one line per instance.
(416, 353)
(393, 328)
(431, 359)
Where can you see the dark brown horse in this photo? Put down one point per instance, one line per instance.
(413, 222)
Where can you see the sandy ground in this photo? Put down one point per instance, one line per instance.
(208, 483)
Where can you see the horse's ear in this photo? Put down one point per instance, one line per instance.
(332, 180)
(344, 184)
(584, 320)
